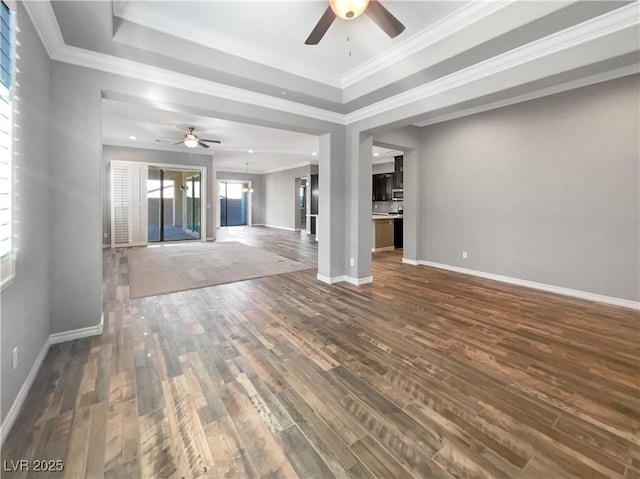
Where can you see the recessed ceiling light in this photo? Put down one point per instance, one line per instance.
(314, 154)
(376, 154)
(132, 137)
(250, 151)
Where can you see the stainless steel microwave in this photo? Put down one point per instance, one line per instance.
(397, 195)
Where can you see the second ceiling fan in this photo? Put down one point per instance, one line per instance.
(190, 140)
(350, 9)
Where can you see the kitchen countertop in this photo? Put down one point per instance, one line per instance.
(384, 216)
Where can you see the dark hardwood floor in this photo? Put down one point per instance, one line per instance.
(424, 373)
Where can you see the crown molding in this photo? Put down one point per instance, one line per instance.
(46, 25)
(572, 85)
(456, 21)
(152, 18)
(607, 24)
(44, 20)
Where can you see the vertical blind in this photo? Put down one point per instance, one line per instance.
(6, 106)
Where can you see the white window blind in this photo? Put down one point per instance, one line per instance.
(128, 204)
(6, 140)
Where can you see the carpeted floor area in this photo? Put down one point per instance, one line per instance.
(166, 268)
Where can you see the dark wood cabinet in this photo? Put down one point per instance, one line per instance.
(398, 162)
(398, 181)
(398, 175)
(382, 186)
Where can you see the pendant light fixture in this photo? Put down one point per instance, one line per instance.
(247, 188)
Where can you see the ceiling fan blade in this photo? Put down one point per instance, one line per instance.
(203, 145)
(384, 19)
(178, 142)
(210, 141)
(321, 27)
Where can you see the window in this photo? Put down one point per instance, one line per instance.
(7, 56)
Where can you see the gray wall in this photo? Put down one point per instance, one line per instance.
(142, 155)
(546, 191)
(281, 196)
(257, 197)
(24, 304)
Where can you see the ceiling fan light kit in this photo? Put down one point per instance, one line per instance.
(348, 9)
(190, 140)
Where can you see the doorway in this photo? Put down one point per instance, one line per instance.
(302, 203)
(173, 201)
(233, 204)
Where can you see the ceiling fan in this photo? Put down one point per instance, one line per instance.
(350, 9)
(190, 140)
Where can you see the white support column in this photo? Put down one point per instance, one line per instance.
(412, 204)
(358, 206)
(330, 224)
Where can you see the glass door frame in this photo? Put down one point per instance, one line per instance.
(248, 201)
(202, 170)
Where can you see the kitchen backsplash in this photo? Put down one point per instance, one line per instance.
(386, 206)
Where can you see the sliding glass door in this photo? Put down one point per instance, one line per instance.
(173, 203)
(233, 204)
(192, 199)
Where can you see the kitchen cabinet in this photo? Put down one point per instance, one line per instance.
(383, 234)
(382, 186)
(398, 175)
(398, 180)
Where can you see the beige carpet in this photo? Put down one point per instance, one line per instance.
(179, 267)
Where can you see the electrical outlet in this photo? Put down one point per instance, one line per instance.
(464, 255)
(353, 262)
(14, 362)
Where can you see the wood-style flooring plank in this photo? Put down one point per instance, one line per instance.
(423, 373)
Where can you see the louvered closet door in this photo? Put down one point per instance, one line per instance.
(128, 204)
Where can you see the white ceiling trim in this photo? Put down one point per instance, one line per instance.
(607, 24)
(45, 22)
(46, 25)
(456, 21)
(150, 17)
(572, 85)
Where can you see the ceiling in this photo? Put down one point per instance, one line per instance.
(455, 58)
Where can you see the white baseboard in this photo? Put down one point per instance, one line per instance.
(383, 248)
(12, 415)
(330, 280)
(413, 262)
(625, 303)
(56, 338)
(359, 281)
(280, 228)
(78, 333)
(344, 279)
